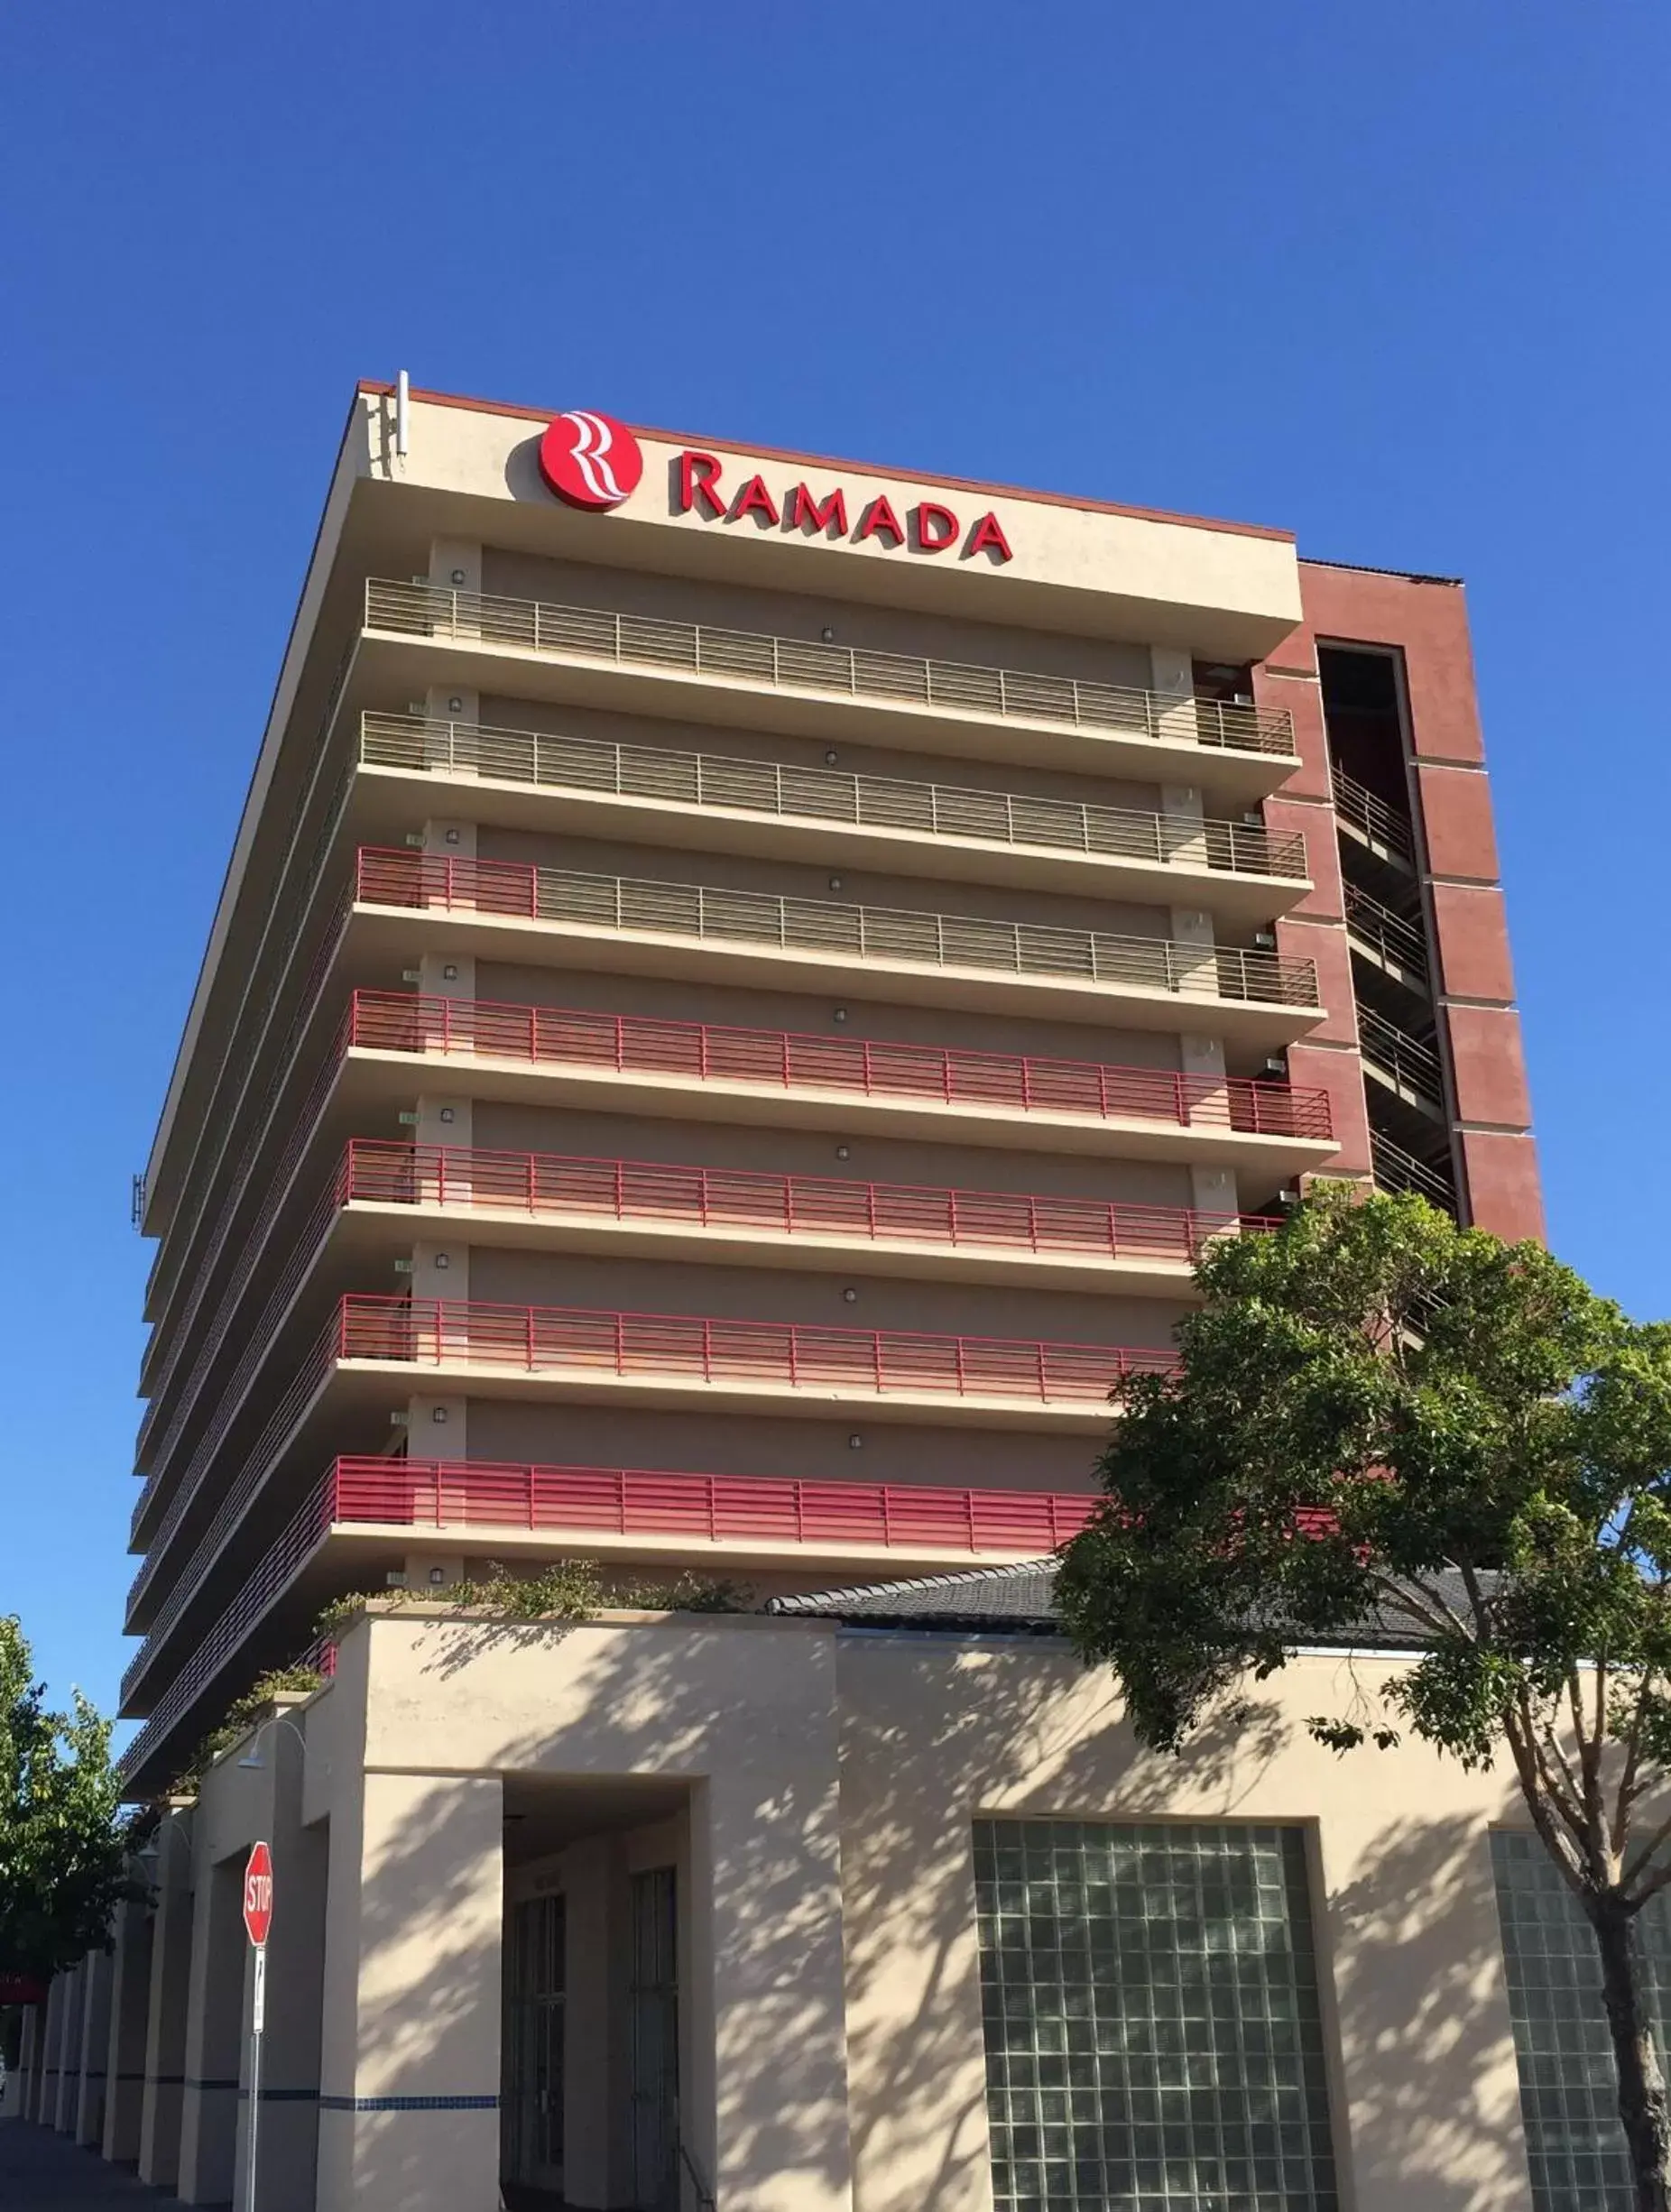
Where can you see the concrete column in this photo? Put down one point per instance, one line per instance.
(441, 1270)
(287, 2143)
(1185, 824)
(408, 2118)
(68, 2085)
(597, 2131)
(446, 976)
(39, 2109)
(165, 2014)
(453, 712)
(125, 2058)
(456, 563)
(766, 2113)
(20, 2094)
(89, 2120)
(214, 2035)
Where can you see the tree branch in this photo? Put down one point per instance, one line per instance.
(1560, 1849)
(1642, 1855)
(1552, 1788)
(1629, 1788)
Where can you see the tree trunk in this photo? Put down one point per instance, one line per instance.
(1643, 2106)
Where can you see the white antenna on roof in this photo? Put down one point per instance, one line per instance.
(402, 394)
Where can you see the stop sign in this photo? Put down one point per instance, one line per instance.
(258, 1895)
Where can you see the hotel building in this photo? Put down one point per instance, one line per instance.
(743, 986)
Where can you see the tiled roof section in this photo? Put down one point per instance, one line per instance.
(1019, 1601)
(1016, 1597)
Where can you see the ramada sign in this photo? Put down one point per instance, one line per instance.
(591, 460)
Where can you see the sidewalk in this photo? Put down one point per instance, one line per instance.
(39, 2166)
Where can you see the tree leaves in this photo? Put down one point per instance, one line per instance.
(62, 1856)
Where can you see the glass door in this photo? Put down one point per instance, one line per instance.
(532, 2134)
(654, 2005)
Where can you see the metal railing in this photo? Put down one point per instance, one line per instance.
(257, 1463)
(301, 1537)
(634, 906)
(799, 665)
(785, 1060)
(256, 1337)
(1409, 1063)
(592, 1501)
(558, 762)
(558, 1340)
(1399, 1170)
(618, 1501)
(1398, 942)
(378, 1172)
(433, 1333)
(172, 1334)
(1372, 817)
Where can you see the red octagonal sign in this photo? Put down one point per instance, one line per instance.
(258, 1893)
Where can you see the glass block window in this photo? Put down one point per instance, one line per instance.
(1153, 2037)
(1568, 2102)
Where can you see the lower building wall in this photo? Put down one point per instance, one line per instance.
(822, 1799)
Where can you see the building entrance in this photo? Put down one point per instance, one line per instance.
(532, 2140)
(653, 1993)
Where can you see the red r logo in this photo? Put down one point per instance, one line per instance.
(590, 460)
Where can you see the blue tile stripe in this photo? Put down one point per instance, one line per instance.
(283, 2096)
(409, 2104)
(193, 2083)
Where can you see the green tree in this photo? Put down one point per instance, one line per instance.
(1383, 1426)
(63, 1854)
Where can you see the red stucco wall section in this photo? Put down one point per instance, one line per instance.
(1428, 622)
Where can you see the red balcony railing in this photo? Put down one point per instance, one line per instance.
(598, 1501)
(622, 1501)
(700, 1052)
(676, 1347)
(537, 1183)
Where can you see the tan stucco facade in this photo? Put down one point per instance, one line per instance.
(814, 1790)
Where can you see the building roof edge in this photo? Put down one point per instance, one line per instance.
(827, 460)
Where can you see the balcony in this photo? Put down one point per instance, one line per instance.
(643, 1206)
(671, 1358)
(709, 801)
(693, 671)
(1262, 1129)
(784, 1077)
(582, 1355)
(680, 929)
(559, 1203)
(343, 1526)
(617, 1508)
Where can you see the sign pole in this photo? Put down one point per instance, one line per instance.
(257, 1925)
(257, 2020)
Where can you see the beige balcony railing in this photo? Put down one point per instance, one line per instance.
(703, 780)
(405, 878)
(802, 664)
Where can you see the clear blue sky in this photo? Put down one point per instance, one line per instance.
(1394, 277)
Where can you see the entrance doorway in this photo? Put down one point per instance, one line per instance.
(531, 2136)
(653, 1993)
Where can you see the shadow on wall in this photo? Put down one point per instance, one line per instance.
(985, 1727)
(1005, 1743)
(647, 1708)
(1415, 1978)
